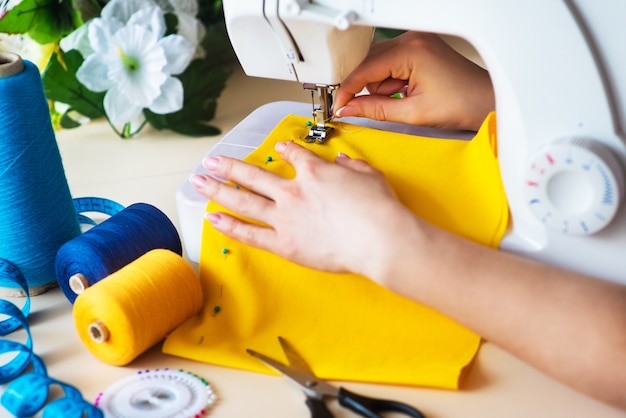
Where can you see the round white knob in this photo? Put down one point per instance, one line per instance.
(345, 19)
(574, 186)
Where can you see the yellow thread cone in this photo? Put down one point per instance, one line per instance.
(123, 315)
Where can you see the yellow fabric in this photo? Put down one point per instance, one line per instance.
(345, 326)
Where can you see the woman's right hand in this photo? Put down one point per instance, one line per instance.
(441, 88)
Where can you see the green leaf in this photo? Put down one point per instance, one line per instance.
(202, 87)
(19, 19)
(61, 85)
(210, 12)
(44, 21)
(171, 23)
(67, 122)
(217, 46)
(88, 9)
(387, 33)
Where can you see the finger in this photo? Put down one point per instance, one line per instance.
(368, 73)
(375, 70)
(251, 177)
(375, 86)
(382, 108)
(388, 60)
(296, 154)
(387, 87)
(250, 234)
(353, 164)
(247, 204)
(354, 85)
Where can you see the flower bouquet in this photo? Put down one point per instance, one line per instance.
(133, 62)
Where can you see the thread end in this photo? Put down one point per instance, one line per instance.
(98, 332)
(78, 283)
(10, 64)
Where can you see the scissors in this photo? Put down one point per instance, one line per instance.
(317, 390)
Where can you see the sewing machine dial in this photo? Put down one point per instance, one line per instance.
(574, 186)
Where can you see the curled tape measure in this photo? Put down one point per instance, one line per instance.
(83, 205)
(11, 273)
(27, 393)
(157, 394)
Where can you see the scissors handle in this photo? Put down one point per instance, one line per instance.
(318, 408)
(371, 407)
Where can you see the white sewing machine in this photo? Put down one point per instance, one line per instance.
(559, 72)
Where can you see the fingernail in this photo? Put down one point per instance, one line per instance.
(342, 155)
(338, 112)
(280, 146)
(213, 217)
(197, 180)
(210, 163)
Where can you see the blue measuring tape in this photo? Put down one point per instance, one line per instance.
(95, 204)
(10, 272)
(27, 393)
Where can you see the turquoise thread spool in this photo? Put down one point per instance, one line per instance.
(37, 215)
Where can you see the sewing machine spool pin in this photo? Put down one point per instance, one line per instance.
(319, 131)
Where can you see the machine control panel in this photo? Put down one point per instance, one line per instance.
(574, 186)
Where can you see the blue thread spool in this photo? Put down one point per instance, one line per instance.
(111, 245)
(36, 211)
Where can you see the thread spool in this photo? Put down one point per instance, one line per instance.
(36, 211)
(112, 244)
(122, 316)
(10, 64)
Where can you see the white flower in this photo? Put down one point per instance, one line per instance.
(127, 55)
(78, 40)
(6, 5)
(188, 25)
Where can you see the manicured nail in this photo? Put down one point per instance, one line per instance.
(342, 155)
(213, 217)
(197, 180)
(338, 112)
(280, 146)
(210, 163)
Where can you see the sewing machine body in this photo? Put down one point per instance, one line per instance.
(559, 74)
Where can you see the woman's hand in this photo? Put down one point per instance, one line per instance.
(344, 217)
(338, 217)
(442, 88)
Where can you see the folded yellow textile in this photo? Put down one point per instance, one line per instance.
(345, 326)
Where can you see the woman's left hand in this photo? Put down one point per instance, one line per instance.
(338, 217)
